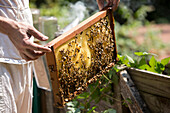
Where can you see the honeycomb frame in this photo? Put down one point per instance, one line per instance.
(59, 100)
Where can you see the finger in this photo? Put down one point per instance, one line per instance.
(34, 46)
(109, 2)
(115, 4)
(37, 34)
(33, 54)
(25, 57)
(100, 4)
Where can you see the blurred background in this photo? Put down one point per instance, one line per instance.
(141, 25)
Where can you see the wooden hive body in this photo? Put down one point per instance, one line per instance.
(81, 55)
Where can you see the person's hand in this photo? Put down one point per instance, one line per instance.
(113, 3)
(20, 34)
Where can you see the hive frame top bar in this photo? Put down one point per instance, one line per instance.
(78, 29)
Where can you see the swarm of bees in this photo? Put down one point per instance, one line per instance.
(84, 59)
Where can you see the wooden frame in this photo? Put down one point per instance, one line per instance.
(51, 58)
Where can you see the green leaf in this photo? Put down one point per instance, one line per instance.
(151, 69)
(126, 62)
(91, 110)
(152, 62)
(116, 68)
(142, 61)
(106, 77)
(140, 53)
(129, 100)
(144, 54)
(144, 66)
(141, 64)
(130, 59)
(165, 61)
(160, 67)
(121, 59)
(110, 111)
(102, 89)
(83, 95)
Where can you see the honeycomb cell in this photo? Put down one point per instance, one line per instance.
(84, 58)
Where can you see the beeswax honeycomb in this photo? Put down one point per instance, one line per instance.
(84, 58)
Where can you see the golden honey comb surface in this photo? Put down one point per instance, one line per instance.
(84, 58)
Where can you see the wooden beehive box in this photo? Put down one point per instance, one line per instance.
(81, 55)
(154, 89)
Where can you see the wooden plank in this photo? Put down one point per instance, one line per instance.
(149, 82)
(156, 104)
(128, 90)
(77, 29)
(41, 75)
(54, 78)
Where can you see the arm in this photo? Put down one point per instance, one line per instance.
(113, 3)
(20, 33)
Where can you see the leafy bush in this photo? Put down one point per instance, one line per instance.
(142, 62)
(126, 30)
(100, 90)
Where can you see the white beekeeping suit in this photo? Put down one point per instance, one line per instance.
(15, 73)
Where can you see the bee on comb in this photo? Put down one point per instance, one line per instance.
(81, 56)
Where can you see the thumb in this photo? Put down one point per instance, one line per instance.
(37, 34)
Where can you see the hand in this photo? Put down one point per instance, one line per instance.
(20, 33)
(113, 3)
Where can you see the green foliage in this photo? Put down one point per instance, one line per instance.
(125, 102)
(141, 63)
(132, 17)
(141, 13)
(100, 90)
(132, 21)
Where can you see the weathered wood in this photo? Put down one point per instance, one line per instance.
(156, 104)
(41, 74)
(152, 83)
(54, 78)
(154, 89)
(129, 91)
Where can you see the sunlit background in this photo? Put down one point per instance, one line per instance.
(141, 25)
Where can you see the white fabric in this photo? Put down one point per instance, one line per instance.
(15, 78)
(15, 88)
(17, 10)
